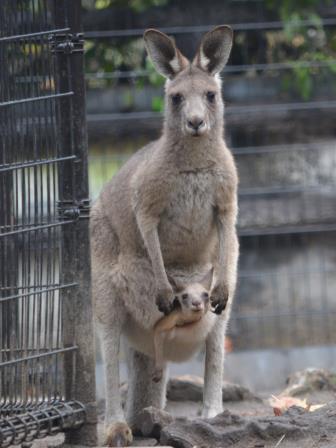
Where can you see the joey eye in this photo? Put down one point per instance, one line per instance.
(210, 96)
(176, 99)
(205, 295)
(176, 303)
(184, 296)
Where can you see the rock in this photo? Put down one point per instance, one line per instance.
(310, 380)
(150, 421)
(228, 429)
(185, 388)
(235, 392)
(190, 388)
(144, 442)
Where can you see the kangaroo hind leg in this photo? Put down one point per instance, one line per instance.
(142, 391)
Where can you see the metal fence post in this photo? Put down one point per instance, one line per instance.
(77, 307)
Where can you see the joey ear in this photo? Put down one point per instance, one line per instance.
(207, 279)
(214, 50)
(167, 59)
(176, 285)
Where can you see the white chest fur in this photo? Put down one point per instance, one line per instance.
(187, 223)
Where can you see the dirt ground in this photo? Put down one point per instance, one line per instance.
(253, 409)
(248, 421)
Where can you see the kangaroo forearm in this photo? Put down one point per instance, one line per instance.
(227, 250)
(152, 243)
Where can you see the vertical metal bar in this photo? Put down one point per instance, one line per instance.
(8, 274)
(77, 306)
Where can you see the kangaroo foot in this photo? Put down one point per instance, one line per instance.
(118, 434)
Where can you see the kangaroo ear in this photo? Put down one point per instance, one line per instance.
(214, 50)
(177, 286)
(167, 59)
(207, 279)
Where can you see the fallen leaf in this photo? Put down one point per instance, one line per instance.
(315, 407)
(282, 403)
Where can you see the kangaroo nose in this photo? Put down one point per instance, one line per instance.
(196, 304)
(195, 123)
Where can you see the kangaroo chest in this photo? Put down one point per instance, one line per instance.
(187, 223)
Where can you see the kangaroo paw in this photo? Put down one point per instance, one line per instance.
(157, 375)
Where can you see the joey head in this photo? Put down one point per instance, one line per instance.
(191, 302)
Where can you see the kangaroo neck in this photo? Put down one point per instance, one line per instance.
(188, 151)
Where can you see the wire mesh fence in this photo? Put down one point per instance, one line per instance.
(42, 205)
(285, 150)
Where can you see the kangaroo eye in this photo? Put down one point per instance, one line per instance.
(211, 96)
(205, 295)
(184, 296)
(177, 99)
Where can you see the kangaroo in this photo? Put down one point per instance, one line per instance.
(170, 211)
(190, 304)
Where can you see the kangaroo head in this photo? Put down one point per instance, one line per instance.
(194, 105)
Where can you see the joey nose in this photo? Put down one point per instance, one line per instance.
(195, 123)
(197, 305)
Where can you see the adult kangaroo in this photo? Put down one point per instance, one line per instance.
(170, 211)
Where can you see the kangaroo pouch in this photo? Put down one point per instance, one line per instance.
(185, 340)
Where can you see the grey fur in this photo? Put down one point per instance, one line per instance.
(172, 209)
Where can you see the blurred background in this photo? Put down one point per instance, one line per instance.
(279, 89)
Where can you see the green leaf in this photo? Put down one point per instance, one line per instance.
(157, 104)
(102, 4)
(142, 5)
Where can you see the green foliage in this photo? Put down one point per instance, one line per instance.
(294, 24)
(136, 5)
(151, 76)
(303, 82)
(102, 4)
(105, 57)
(154, 77)
(287, 8)
(157, 103)
(302, 43)
(142, 5)
(294, 42)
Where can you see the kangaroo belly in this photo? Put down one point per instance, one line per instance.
(187, 227)
(185, 341)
